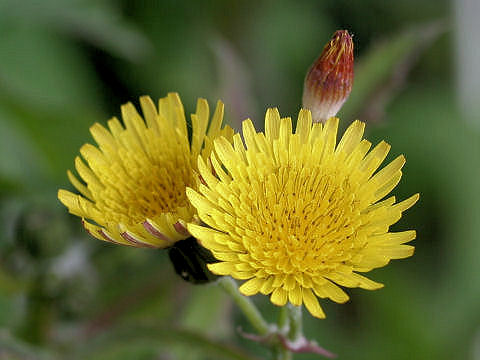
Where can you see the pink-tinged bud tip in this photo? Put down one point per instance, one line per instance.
(329, 81)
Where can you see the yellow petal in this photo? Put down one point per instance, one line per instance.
(279, 297)
(295, 296)
(312, 305)
(222, 268)
(251, 287)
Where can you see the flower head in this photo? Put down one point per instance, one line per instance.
(298, 215)
(329, 81)
(134, 181)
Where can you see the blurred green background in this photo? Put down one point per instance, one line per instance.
(67, 64)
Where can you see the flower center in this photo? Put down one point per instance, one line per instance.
(306, 221)
(142, 185)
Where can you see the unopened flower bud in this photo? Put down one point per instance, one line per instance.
(329, 81)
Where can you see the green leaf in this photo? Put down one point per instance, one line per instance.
(25, 165)
(99, 23)
(38, 68)
(47, 101)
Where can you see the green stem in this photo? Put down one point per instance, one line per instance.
(245, 304)
(295, 317)
(280, 353)
(283, 319)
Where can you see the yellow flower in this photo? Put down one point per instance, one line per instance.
(135, 180)
(297, 215)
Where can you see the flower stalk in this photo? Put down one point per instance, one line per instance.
(295, 321)
(285, 338)
(283, 320)
(245, 304)
(267, 333)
